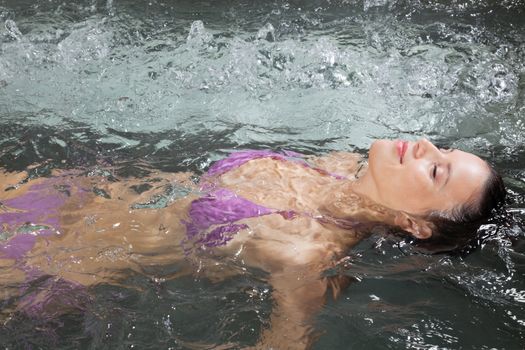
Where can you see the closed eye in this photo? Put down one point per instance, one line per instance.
(434, 171)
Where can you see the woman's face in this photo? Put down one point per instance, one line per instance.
(417, 177)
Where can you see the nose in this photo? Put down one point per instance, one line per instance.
(424, 148)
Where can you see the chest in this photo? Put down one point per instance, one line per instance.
(280, 185)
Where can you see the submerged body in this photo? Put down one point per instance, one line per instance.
(264, 211)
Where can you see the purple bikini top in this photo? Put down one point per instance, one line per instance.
(213, 217)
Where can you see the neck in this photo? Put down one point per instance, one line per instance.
(356, 202)
(364, 186)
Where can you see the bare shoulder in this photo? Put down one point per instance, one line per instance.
(338, 162)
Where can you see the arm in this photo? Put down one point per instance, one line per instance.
(295, 253)
(298, 295)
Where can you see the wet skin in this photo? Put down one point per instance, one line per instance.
(424, 179)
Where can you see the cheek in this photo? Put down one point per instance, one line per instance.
(408, 181)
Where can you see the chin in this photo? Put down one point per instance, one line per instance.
(380, 156)
(380, 148)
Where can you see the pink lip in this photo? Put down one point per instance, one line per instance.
(402, 147)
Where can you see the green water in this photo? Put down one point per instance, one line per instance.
(178, 84)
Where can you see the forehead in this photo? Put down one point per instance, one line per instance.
(468, 173)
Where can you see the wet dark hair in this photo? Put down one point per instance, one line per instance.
(455, 228)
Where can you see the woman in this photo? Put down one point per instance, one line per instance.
(290, 216)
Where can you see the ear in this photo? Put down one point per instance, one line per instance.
(418, 228)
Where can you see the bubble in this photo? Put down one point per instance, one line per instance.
(267, 32)
(12, 29)
(198, 35)
(89, 41)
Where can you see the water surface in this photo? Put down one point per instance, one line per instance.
(178, 84)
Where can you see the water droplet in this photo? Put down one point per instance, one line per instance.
(198, 35)
(267, 32)
(12, 29)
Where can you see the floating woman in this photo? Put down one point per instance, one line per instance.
(289, 215)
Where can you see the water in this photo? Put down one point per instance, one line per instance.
(177, 84)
